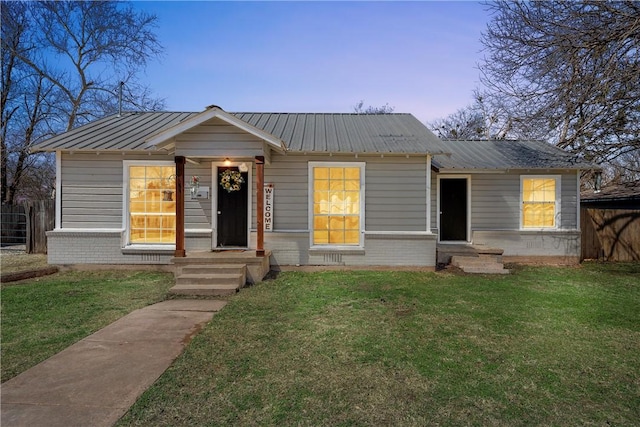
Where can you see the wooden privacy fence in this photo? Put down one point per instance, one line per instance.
(610, 234)
(28, 224)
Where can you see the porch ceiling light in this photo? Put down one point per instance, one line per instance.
(227, 162)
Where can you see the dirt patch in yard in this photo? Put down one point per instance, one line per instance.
(15, 263)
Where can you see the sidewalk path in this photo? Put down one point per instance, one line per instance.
(96, 380)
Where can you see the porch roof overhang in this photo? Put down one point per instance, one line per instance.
(165, 138)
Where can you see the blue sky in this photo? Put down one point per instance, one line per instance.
(419, 57)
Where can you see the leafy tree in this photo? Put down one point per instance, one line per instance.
(62, 64)
(359, 108)
(571, 69)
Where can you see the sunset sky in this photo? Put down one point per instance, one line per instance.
(419, 57)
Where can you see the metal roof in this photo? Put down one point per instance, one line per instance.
(334, 133)
(492, 155)
(348, 133)
(127, 132)
(301, 132)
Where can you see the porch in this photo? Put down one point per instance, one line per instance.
(218, 273)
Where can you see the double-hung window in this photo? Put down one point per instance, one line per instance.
(540, 201)
(336, 204)
(151, 202)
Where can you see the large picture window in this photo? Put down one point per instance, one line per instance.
(337, 201)
(152, 206)
(540, 201)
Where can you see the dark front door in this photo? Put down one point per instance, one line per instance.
(232, 212)
(453, 209)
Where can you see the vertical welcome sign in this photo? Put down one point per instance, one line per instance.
(268, 207)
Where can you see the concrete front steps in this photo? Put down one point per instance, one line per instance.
(219, 273)
(479, 259)
(479, 264)
(210, 280)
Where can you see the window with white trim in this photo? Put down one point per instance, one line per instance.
(540, 201)
(336, 203)
(151, 203)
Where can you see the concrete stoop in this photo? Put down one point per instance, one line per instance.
(210, 280)
(218, 273)
(481, 264)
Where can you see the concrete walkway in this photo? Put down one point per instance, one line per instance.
(96, 380)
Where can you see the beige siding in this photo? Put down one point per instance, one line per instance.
(218, 138)
(197, 213)
(395, 196)
(92, 191)
(434, 202)
(495, 201)
(569, 219)
(289, 174)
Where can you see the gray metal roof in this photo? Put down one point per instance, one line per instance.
(325, 133)
(502, 155)
(328, 133)
(348, 133)
(127, 132)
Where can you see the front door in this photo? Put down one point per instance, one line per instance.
(232, 208)
(453, 209)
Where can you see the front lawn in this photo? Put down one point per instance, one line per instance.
(543, 346)
(43, 316)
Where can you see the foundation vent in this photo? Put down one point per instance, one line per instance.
(150, 257)
(333, 258)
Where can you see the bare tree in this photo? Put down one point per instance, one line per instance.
(487, 118)
(359, 108)
(464, 124)
(62, 64)
(572, 69)
(23, 108)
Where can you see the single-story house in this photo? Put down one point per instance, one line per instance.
(304, 189)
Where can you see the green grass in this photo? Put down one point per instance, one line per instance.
(43, 316)
(543, 346)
